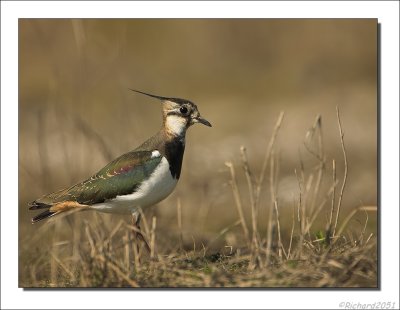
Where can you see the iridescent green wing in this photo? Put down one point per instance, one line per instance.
(122, 176)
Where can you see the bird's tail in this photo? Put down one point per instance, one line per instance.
(52, 209)
(35, 205)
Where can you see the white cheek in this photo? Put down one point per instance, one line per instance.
(176, 124)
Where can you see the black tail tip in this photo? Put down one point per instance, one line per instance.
(34, 205)
(44, 215)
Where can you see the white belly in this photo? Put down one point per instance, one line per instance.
(156, 188)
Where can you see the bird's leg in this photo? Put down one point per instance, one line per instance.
(137, 233)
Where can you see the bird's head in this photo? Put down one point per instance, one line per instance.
(178, 114)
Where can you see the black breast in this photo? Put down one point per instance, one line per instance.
(174, 153)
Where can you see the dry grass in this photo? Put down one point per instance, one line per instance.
(308, 250)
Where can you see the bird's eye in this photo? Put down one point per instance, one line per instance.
(183, 110)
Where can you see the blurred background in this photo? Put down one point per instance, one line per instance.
(76, 112)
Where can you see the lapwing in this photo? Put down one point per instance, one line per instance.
(135, 180)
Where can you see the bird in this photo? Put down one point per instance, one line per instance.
(135, 180)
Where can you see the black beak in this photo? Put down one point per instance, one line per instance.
(203, 121)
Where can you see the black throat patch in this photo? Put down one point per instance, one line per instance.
(174, 153)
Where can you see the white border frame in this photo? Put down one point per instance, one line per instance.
(13, 297)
